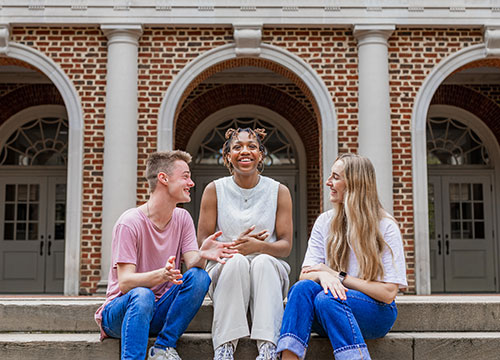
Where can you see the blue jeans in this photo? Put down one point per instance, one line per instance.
(346, 322)
(136, 315)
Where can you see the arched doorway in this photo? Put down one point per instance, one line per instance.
(33, 162)
(285, 159)
(461, 202)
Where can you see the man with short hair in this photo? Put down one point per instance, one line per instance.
(147, 294)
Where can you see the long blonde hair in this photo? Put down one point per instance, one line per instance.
(355, 224)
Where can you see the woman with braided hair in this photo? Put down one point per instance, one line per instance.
(255, 212)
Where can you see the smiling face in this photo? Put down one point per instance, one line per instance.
(178, 182)
(244, 153)
(336, 182)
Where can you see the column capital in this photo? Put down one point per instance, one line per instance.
(373, 33)
(122, 33)
(492, 40)
(247, 38)
(4, 37)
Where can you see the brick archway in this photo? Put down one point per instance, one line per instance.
(280, 102)
(27, 96)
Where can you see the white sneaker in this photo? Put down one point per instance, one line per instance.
(159, 354)
(224, 352)
(267, 351)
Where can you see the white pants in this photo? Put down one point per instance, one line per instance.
(259, 281)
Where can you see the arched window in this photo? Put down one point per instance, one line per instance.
(40, 141)
(451, 142)
(279, 148)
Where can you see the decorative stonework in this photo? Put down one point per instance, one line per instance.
(492, 41)
(247, 39)
(4, 38)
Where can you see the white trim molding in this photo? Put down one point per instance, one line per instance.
(4, 37)
(247, 39)
(269, 52)
(492, 40)
(75, 157)
(419, 157)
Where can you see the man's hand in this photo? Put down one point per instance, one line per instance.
(170, 273)
(211, 249)
(248, 243)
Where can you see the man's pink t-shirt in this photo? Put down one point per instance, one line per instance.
(136, 240)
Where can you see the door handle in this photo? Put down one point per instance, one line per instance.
(50, 245)
(439, 243)
(41, 245)
(447, 245)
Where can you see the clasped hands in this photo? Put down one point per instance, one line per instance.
(328, 279)
(248, 243)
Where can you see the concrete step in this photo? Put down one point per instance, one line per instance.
(401, 346)
(416, 313)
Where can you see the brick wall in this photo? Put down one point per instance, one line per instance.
(81, 52)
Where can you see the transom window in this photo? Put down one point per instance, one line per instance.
(450, 142)
(279, 148)
(42, 141)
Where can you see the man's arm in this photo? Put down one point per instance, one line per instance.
(253, 243)
(129, 278)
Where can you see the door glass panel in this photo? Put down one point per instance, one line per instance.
(467, 230)
(34, 192)
(9, 211)
(61, 193)
(479, 230)
(478, 211)
(8, 231)
(21, 212)
(33, 213)
(455, 210)
(59, 231)
(466, 211)
(22, 193)
(60, 212)
(10, 192)
(32, 231)
(465, 192)
(454, 192)
(21, 231)
(478, 191)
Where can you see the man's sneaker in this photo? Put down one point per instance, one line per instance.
(224, 352)
(267, 351)
(159, 354)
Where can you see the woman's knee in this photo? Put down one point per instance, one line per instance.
(263, 262)
(305, 288)
(238, 263)
(326, 302)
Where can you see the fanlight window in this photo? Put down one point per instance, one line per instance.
(450, 142)
(279, 149)
(43, 141)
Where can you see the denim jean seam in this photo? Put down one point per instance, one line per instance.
(349, 347)
(125, 340)
(348, 315)
(295, 337)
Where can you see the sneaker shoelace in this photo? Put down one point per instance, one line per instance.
(267, 352)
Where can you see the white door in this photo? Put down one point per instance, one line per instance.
(32, 234)
(461, 234)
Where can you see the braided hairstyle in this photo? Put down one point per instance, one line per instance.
(231, 134)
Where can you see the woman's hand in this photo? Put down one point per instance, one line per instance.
(329, 281)
(248, 243)
(211, 249)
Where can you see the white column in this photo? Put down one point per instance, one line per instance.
(120, 134)
(374, 112)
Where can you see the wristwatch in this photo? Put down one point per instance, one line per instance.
(342, 275)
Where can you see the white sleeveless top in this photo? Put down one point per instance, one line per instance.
(239, 208)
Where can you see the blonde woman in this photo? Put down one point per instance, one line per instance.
(255, 212)
(353, 268)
